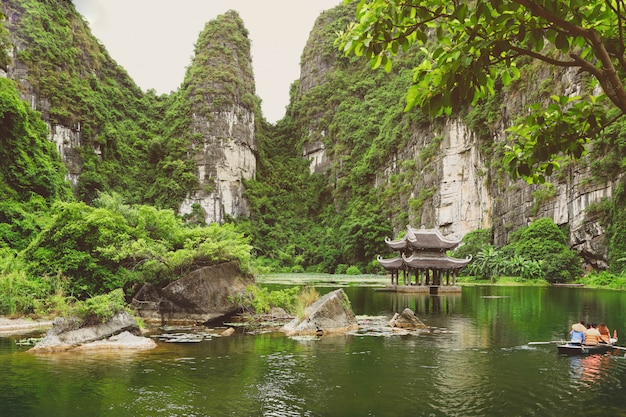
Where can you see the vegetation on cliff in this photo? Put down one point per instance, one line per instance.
(358, 116)
(478, 45)
(56, 246)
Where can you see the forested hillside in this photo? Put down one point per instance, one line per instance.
(378, 168)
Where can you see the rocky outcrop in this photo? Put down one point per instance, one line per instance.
(220, 90)
(331, 314)
(407, 320)
(120, 332)
(203, 295)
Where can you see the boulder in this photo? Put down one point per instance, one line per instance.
(203, 295)
(228, 332)
(69, 333)
(407, 320)
(331, 314)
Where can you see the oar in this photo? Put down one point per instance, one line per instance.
(619, 347)
(547, 343)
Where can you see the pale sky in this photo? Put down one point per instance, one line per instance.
(154, 39)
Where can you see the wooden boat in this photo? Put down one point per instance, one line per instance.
(576, 349)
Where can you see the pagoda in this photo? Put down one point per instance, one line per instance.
(422, 254)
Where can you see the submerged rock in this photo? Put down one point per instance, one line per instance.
(67, 334)
(122, 341)
(331, 314)
(407, 320)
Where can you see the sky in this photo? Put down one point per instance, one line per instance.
(154, 39)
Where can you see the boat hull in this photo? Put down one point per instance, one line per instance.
(573, 349)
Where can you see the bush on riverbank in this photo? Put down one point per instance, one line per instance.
(538, 251)
(113, 245)
(84, 251)
(294, 300)
(604, 279)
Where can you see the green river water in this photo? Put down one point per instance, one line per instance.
(477, 363)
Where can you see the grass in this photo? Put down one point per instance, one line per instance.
(324, 280)
(503, 281)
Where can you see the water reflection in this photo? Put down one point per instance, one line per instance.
(589, 370)
(425, 304)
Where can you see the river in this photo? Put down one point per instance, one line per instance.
(476, 362)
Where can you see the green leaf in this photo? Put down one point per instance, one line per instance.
(562, 42)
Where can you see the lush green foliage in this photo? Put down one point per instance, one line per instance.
(473, 242)
(544, 242)
(604, 279)
(35, 168)
(538, 251)
(260, 300)
(477, 44)
(101, 308)
(5, 44)
(32, 175)
(113, 245)
(616, 230)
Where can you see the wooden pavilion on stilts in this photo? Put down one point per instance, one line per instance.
(424, 263)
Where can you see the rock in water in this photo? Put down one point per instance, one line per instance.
(331, 314)
(407, 320)
(67, 333)
(203, 295)
(123, 341)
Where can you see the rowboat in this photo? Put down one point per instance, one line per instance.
(576, 349)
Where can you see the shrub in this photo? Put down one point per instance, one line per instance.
(473, 243)
(353, 270)
(305, 298)
(262, 300)
(101, 308)
(542, 241)
(341, 269)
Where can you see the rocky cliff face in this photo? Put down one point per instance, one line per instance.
(66, 136)
(219, 88)
(460, 186)
(103, 124)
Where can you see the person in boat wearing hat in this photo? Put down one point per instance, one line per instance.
(577, 334)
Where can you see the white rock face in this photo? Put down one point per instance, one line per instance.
(225, 157)
(67, 142)
(464, 200)
(315, 152)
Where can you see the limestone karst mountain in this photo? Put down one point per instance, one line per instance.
(372, 167)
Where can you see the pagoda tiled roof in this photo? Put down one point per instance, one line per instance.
(423, 239)
(424, 260)
(393, 263)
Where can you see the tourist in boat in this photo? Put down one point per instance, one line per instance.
(592, 335)
(605, 333)
(577, 334)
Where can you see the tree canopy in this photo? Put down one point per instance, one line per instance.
(469, 47)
